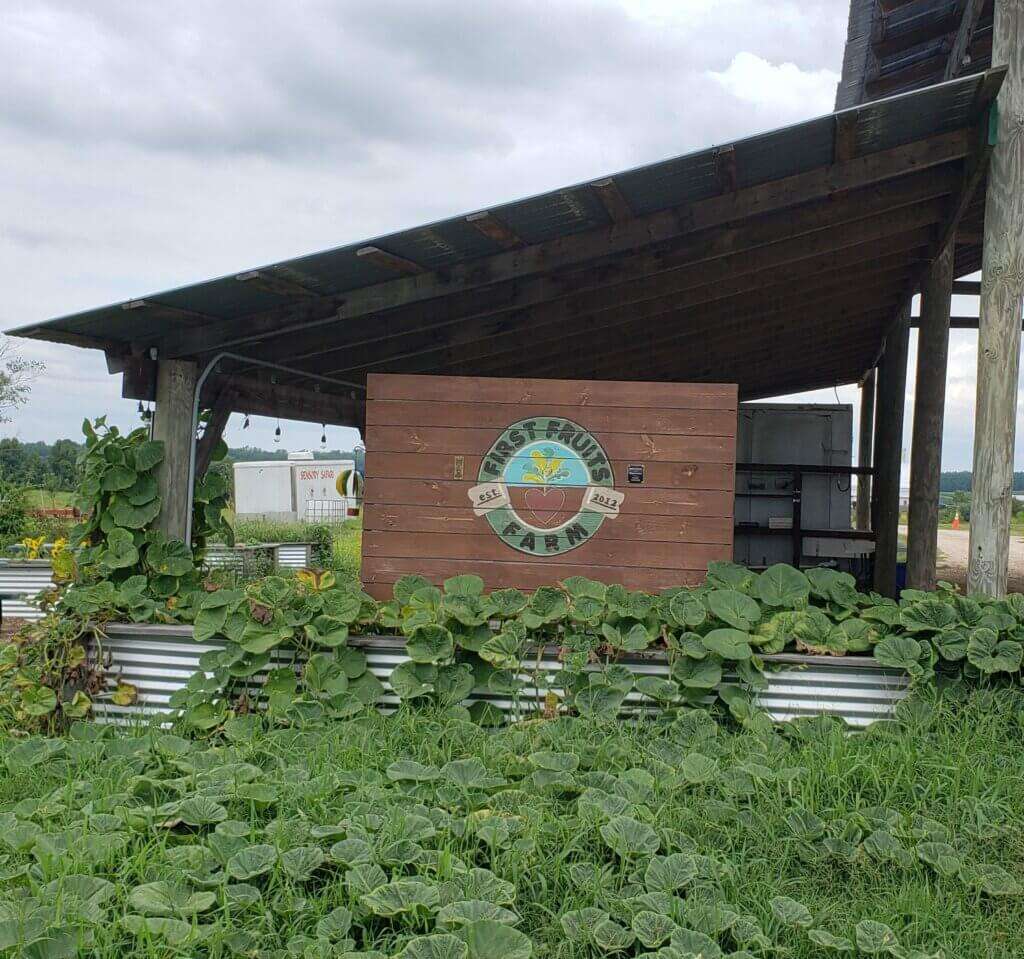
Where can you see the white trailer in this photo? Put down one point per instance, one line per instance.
(297, 489)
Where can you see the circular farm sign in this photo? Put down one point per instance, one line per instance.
(545, 486)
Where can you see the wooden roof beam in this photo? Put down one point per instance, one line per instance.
(691, 283)
(725, 168)
(845, 138)
(164, 310)
(260, 396)
(389, 261)
(774, 239)
(614, 203)
(487, 224)
(861, 262)
(966, 287)
(271, 283)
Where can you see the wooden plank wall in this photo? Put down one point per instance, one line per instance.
(418, 517)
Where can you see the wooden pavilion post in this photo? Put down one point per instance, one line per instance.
(172, 424)
(1002, 278)
(865, 446)
(885, 513)
(929, 408)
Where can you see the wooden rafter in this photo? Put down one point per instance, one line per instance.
(389, 261)
(614, 203)
(271, 283)
(958, 53)
(768, 241)
(494, 229)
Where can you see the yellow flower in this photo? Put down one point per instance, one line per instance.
(33, 547)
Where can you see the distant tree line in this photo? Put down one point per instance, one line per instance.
(52, 466)
(959, 481)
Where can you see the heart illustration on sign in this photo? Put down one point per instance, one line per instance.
(546, 504)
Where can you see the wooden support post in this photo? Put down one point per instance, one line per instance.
(892, 387)
(929, 408)
(1002, 278)
(172, 424)
(865, 445)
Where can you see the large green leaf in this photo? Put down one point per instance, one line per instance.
(489, 939)
(169, 899)
(125, 513)
(252, 861)
(148, 454)
(728, 643)
(790, 912)
(439, 946)
(629, 837)
(402, 896)
(782, 585)
(430, 644)
(599, 702)
(874, 938)
(734, 608)
(988, 653)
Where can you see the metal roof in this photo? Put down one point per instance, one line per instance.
(443, 262)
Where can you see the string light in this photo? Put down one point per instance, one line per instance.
(245, 425)
(323, 436)
(277, 433)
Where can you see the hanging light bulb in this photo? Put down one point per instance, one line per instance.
(245, 425)
(277, 433)
(323, 436)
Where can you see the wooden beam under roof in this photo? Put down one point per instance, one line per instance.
(692, 282)
(614, 203)
(389, 261)
(164, 310)
(491, 339)
(544, 257)
(770, 240)
(700, 328)
(725, 168)
(494, 229)
(966, 287)
(256, 394)
(845, 137)
(272, 283)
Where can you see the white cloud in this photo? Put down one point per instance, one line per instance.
(783, 88)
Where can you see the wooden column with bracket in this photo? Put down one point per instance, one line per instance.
(1002, 279)
(172, 425)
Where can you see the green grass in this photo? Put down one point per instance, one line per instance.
(45, 499)
(112, 809)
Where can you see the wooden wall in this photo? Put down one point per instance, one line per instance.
(421, 431)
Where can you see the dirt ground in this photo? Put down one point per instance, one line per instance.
(953, 549)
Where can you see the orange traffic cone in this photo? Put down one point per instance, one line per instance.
(956, 521)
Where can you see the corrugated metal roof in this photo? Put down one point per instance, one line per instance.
(558, 213)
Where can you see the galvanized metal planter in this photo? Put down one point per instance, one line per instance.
(20, 580)
(247, 559)
(159, 660)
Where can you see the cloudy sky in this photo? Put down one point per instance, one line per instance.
(148, 145)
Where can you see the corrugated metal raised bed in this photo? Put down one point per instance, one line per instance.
(160, 659)
(256, 558)
(20, 581)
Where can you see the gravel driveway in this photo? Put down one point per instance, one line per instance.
(953, 549)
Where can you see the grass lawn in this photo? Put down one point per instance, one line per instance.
(45, 499)
(558, 839)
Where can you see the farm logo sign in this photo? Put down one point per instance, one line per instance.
(545, 486)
